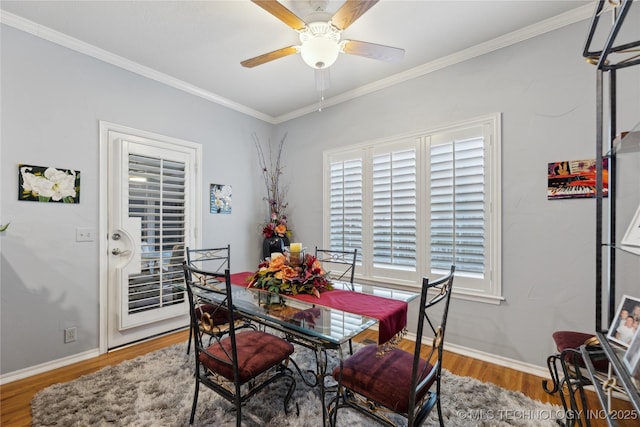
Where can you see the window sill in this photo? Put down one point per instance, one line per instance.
(412, 287)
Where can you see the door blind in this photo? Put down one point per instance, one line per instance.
(157, 197)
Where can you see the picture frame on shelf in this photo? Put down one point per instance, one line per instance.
(631, 239)
(631, 357)
(624, 326)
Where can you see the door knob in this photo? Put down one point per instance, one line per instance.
(117, 251)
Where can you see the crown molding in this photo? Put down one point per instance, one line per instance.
(72, 43)
(551, 24)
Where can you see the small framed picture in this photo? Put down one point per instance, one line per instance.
(220, 199)
(631, 239)
(625, 325)
(631, 358)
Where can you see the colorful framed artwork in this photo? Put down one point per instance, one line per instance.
(220, 199)
(575, 179)
(625, 325)
(48, 184)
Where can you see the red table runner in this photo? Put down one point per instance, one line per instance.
(392, 314)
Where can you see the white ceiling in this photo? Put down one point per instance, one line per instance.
(198, 45)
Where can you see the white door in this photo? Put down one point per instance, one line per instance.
(153, 194)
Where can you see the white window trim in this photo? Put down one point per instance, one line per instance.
(493, 126)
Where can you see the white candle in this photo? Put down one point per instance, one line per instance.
(295, 247)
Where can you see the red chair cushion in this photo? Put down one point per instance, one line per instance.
(257, 352)
(385, 380)
(574, 340)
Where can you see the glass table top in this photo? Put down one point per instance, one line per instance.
(311, 320)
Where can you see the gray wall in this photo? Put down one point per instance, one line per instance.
(53, 98)
(546, 93)
(52, 101)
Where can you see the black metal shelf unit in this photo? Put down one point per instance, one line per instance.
(613, 56)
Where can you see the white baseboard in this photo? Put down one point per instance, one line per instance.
(492, 358)
(48, 366)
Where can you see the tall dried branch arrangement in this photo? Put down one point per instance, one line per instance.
(271, 167)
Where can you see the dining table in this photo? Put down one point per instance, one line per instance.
(322, 323)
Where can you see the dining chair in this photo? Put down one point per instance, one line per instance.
(567, 377)
(341, 267)
(238, 364)
(339, 264)
(210, 259)
(217, 260)
(398, 381)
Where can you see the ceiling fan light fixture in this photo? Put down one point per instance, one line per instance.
(320, 45)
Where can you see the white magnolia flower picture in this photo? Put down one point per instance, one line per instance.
(47, 184)
(220, 198)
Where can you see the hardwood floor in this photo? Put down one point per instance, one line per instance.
(15, 397)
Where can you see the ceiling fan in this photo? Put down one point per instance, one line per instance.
(320, 42)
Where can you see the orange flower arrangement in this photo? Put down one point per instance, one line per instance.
(280, 276)
(276, 228)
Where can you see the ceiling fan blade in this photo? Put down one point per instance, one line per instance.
(276, 54)
(282, 13)
(350, 11)
(372, 50)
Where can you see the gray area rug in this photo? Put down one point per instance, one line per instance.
(157, 390)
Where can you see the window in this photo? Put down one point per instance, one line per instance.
(413, 205)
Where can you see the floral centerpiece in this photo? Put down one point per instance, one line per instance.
(276, 225)
(280, 276)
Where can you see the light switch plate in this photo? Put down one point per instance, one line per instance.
(84, 234)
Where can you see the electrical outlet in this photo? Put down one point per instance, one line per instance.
(84, 234)
(70, 334)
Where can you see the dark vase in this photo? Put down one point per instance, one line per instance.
(273, 244)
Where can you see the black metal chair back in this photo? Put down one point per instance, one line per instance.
(214, 260)
(419, 382)
(366, 378)
(210, 259)
(237, 364)
(340, 264)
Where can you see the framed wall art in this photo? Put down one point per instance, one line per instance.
(48, 184)
(625, 324)
(220, 199)
(575, 179)
(631, 239)
(631, 357)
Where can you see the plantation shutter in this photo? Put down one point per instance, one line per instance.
(157, 197)
(394, 209)
(424, 201)
(458, 187)
(345, 208)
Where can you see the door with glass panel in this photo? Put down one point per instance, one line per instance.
(152, 215)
